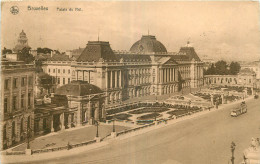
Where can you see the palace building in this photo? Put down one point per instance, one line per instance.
(147, 69)
(17, 99)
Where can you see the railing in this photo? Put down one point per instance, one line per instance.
(15, 153)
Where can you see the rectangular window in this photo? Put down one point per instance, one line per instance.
(68, 80)
(58, 80)
(23, 81)
(68, 71)
(30, 80)
(58, 70)
(22, 101)
(44, 123)
(6, 83)
(249, 80)
(63, 70)
(14, 102)
(153, 79)
(53, 71)
(5, 105)
(15, 80)
(29, 99)
(49, 70)
(63, 80)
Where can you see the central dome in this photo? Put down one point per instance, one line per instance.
(148, 43)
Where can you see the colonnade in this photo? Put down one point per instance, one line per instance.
(114, 79)
(167, 75)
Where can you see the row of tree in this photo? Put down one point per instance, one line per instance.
(222, 68)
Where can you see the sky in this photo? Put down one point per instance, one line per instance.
(220, 30)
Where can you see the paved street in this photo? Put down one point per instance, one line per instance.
(202, 140)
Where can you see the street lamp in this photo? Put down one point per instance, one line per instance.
(97, 129)
(233, 146)
(28, 137)
(114, 123)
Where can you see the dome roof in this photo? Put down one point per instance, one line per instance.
(148, 43)
(78, 88)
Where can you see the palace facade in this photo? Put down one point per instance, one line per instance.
(147, 69)
(17, 99)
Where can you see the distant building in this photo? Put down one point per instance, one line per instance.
(147, 69)
(207, 61)
(253, 66)
(22, 42)
(245, 78)
(17, 99)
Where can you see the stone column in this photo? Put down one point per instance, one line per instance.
(116, 79)
(52, 129)
(174, 74)
(160, 75)
(97, 114)
(169, 74)
(111, 79)
(69, 120)
(89, 112)
(62, 121)
(106, 79)
(120, 78)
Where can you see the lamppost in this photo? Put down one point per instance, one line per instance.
(114, 130)
(28, 133)
(233, 146)
(97, 129)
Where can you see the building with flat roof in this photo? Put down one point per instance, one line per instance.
(17, 99)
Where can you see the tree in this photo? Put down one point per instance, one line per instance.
(45, 81)
(221, 68)
(234, 68)
(6, 51)
(24, 55)
(211, 70)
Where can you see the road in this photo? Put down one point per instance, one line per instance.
(202, 140)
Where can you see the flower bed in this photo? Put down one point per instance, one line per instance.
(177, 112)
(231, 98)
(149, 110)
(122, 116)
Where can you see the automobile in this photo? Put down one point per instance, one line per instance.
(241, 109)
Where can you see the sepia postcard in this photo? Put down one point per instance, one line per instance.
(130, 82)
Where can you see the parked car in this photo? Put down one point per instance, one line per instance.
(239, 110)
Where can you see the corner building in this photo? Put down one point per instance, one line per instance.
(147, 69)
(17, 105)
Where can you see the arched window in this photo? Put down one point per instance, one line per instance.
(13, 129)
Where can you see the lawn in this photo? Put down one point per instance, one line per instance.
(149, 116)
(149, 110)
